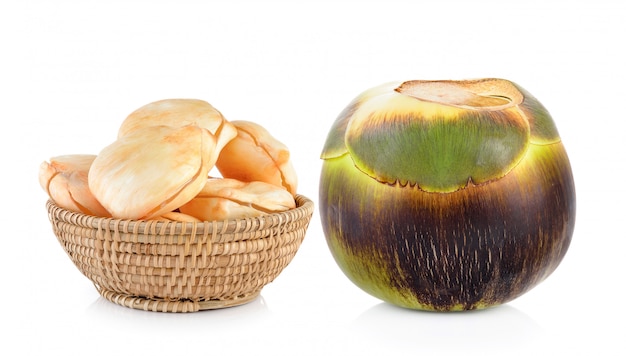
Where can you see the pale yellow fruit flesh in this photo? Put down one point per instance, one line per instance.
(179, 113)
(161, 161)
(177, 216)
(65, 181)
(224, 198)
(255, 155)
(152, 171)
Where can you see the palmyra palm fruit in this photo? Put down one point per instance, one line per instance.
(255, 155)
(64, 178)
(161, 161)
(226, 198)
(153, 170)
(446, 195)
(179, 113)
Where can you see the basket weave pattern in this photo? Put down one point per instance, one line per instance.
(181, 267)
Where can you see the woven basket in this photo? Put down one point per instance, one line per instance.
(181, 267)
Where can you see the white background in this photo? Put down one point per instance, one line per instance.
(70, 72)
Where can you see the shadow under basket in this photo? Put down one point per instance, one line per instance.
(172, 266)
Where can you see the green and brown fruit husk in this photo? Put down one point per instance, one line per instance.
(446, 195)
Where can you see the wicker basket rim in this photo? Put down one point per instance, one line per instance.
(304, 208)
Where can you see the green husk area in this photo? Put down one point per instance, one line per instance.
(396, 138)
(469, 249)
(439, 154)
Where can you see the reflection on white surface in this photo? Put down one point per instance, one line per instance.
(104, 310)
(101, 305)
(502, 327)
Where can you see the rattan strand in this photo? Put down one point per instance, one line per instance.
(181, 267)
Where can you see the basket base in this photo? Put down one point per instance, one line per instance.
(174, 306)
